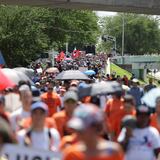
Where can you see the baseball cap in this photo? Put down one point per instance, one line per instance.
(143, 110)
(35, 94)
(24, 87)
(40, 105)
(84, 116)
(129, 121)
(70, 95)
(135, 80)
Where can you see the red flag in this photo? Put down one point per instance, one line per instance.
(76, 54)
(62, 55)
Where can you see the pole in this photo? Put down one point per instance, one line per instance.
(122, 39)
(66, 47)
(115, 44)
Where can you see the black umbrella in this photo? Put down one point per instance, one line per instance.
(71, 75)
(101, 88)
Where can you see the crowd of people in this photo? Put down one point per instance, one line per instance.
(115, 126)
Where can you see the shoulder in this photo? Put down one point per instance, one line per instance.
(21, 133)
(59, 115)
(54, 133)
(153, 130)
(16, 113)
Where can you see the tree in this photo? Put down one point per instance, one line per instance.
(142, 33)
(25, 32)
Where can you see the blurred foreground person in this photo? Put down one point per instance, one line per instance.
(39, 136)
(6, 136)
(24, 112)
(142, 142)
(87, 121)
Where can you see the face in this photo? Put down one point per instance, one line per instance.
(38, 117)
(26, 98)
(50, 87)
(143, 120)
(70, 106)
(128, 107)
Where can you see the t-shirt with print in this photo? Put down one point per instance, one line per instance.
(142, 144)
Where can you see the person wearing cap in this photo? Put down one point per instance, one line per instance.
(24, 111)
(39, 136)
(142, 142)
(136, 91)
(87, 122)
(70, 100)
(52, 99)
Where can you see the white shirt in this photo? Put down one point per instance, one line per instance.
(41, 140)
(17, 116)
(142, 144)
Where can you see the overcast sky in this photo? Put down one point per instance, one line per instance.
(103, 13)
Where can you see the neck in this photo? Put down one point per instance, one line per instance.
(91, 144)
(26, 107)
(37, 129)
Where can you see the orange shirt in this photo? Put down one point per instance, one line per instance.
(52, 100)
(111, 151)
(61, 120)
(112, 111)
(154, 121)
(115, 128)
(67, 141)
(49, 123)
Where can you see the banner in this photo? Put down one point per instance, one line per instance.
(16, 152)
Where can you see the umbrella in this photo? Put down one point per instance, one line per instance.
(15, 75)
(101, 88)
(150, 97)
(52, 70)
(71, 75)
(26, 71)
(90, 72)
(5, 82)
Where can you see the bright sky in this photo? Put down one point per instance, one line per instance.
(103, 13)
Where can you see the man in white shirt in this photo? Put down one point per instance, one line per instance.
(143, 142)
(24, 112)
(38, 136)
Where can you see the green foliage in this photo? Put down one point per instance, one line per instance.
(26, 32)
(142, 33)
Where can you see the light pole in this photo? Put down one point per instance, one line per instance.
(122, 38)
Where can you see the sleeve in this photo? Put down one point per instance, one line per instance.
(56, 139)
(155, 138)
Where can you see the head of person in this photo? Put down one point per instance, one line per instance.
(143, 116)
(128, 103)
(70, 102)
(50, 87)
(158, 105)
(39, 111)
(74, 83)
(87, 122)
(134, 82)
(150, 80)
(2, 103)
(35, 94)
(25, 96)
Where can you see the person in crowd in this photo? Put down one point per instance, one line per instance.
(61, 118)
(149, 86)
(87, 122)
(24, 112)
(136, 92)
(52, 99)
(38, 136)
(112, 110)
(155, 117)
(128, 108)
(142, 142)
